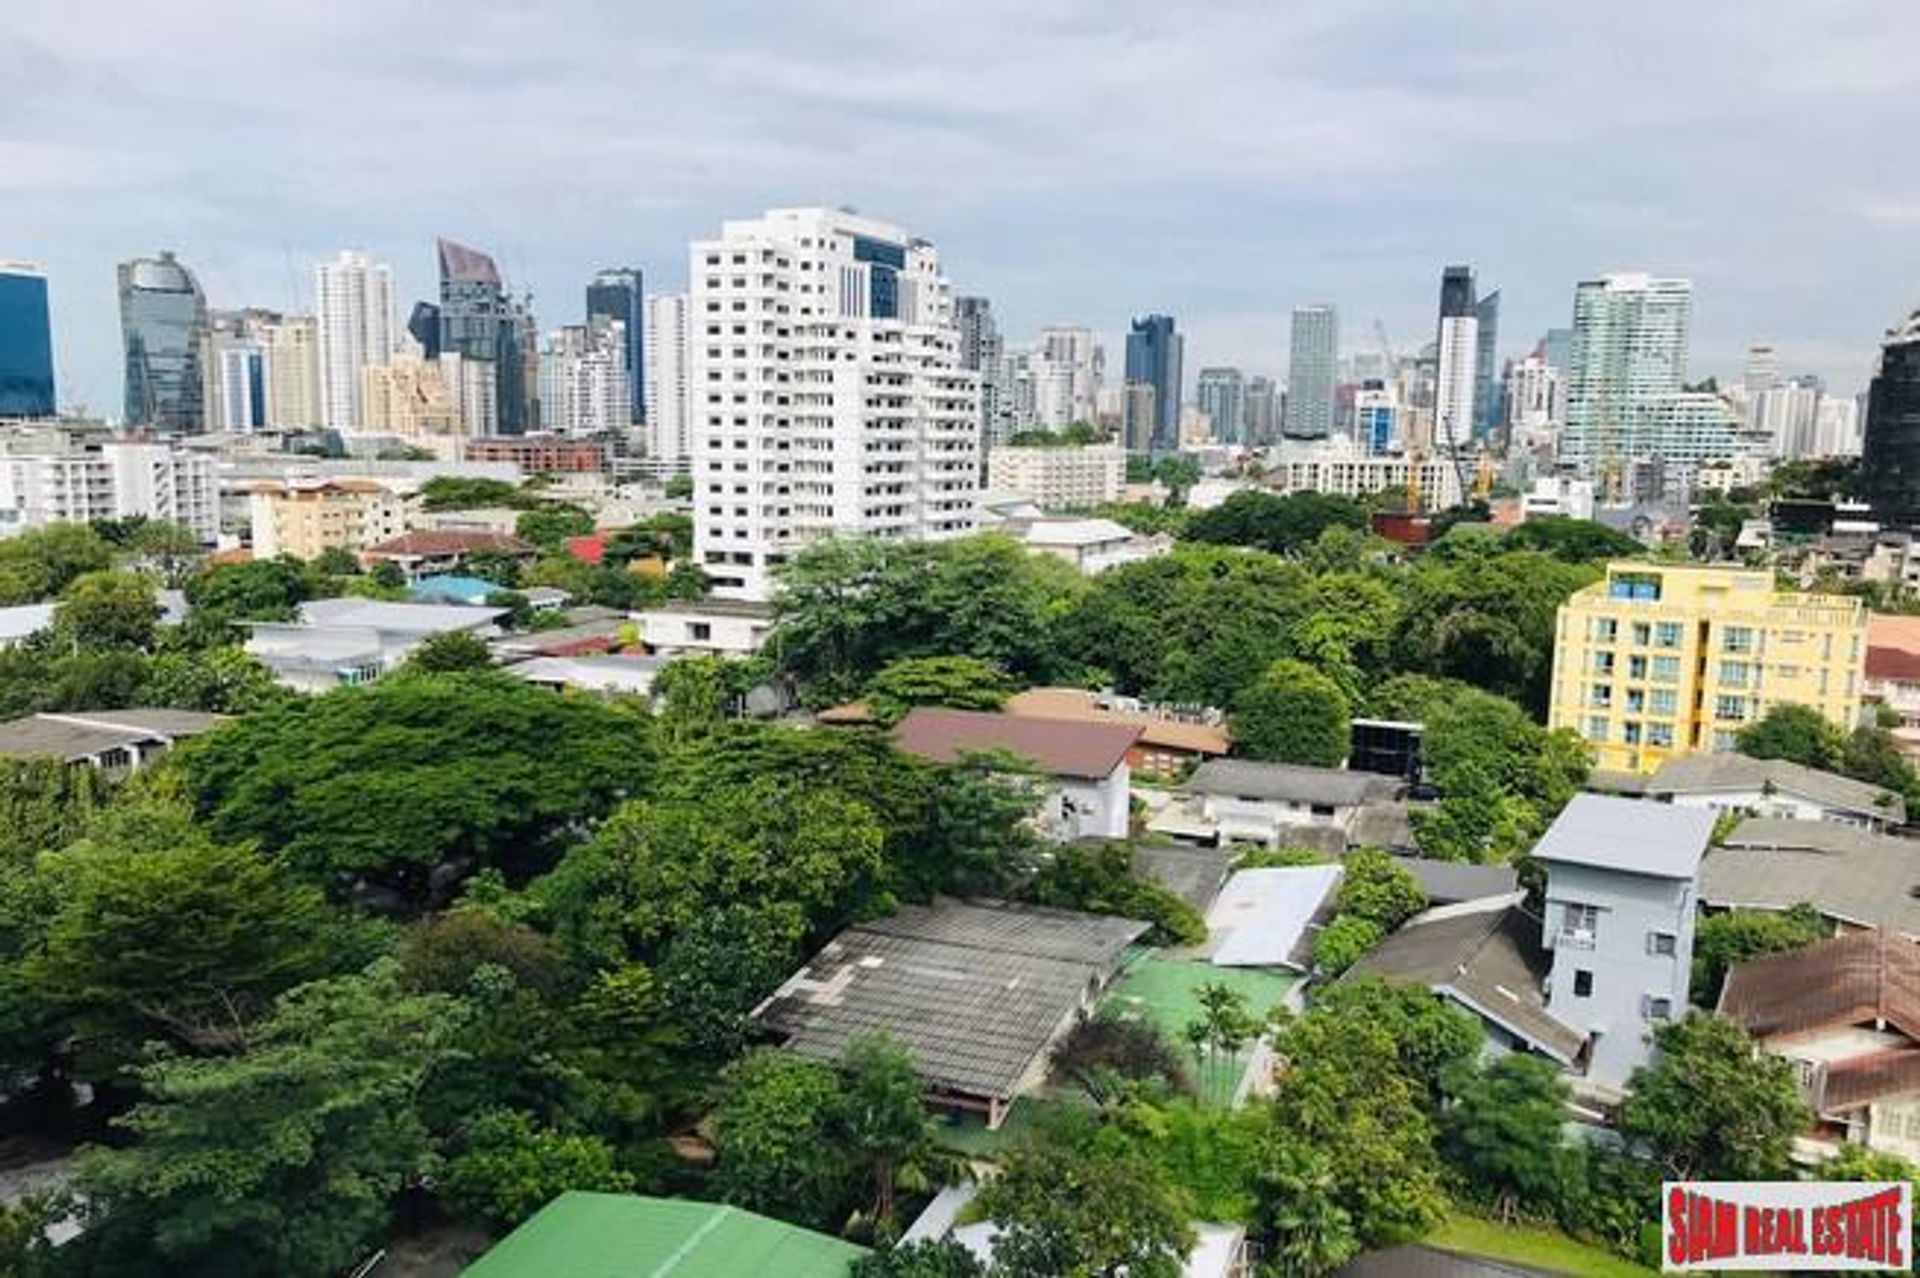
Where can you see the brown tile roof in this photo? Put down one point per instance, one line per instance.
(1063, 747)
(1862, 978)
(1077, 703)
(1897, 664)
(1861, 1080)
(450, 542)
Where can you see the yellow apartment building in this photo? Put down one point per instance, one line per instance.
(302, 518)
(1661, 660)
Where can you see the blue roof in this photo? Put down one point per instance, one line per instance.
(454, 586)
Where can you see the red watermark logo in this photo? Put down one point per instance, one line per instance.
(1796, 1225)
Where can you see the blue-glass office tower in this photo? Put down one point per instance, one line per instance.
(163, 326)
(26, 343)
(1153, 359)
(618, 295)
(1487, 414)
(1890, 464)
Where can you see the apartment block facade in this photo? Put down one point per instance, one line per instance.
(303, 519)
(1662, 660)
(1074, 477)
(77, 482)
(826, 392)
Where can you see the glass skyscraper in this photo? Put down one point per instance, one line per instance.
(617, 295)
(1222, 396)
(1313, 363)
(1486, 375)
(26, 343)
(1890, 464)
(479, 322)
(163, 325)
(1153, 359)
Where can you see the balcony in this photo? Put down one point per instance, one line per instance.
(1569, 939)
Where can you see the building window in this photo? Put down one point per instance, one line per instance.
(1636, 667)
(1735, 674)
(1642, 633)
(1600, 695)
(1666, 634)
(1582, 983)
(699, 631)
(1596, 728)
(1737, 639)
(1580, 920)
(1666, 669)
(1656, 1009)
(1603, 663)
(1636, 701)
(1662, 943)
(1733, 708)
(1660, 734)
(1665, 701)
(1630, 732)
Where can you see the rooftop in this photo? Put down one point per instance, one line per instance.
(452, 588)
(749, 608)
(1195, 875)
(448, 541)
(600, 673)
(400, 618)
(1266, 917)
(1063, 747)
(975, 991)
(1075, 532)
(1291, 782)
(1709, 773)
(1862, 978)
(1846, 873)
(1626, 835)
(1155, 730)
(590, 1235)
(1450, 882)
(1486, 955)
(75, 737)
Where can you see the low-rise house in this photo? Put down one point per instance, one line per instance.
(114, 741)
(1892, 673)
(427, 553)
(978, 993)
(711, 627)
(1486, 957)
(338, 642)
(1854, 878)
(1171, 738)
(1846, 1012)
(1219, 1250)
(1761, 787)
(1270, 917)
(590, 630)
(592, 1235)
(1620, 904)
(604, 673)
(1451, 882)
(1273, 804)
(1087, 793)
(1092, 545)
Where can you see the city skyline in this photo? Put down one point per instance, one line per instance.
(716, 117)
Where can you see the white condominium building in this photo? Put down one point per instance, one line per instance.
(583, 380)
(353, 302)
(827, 394)
(1063, 478)
(51, 480)
(669, 435)
(1345, 472)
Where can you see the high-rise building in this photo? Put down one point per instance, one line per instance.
(1262, 411)
(669, 438)
(1153, 359)
(1487, 412)
(237, 371)
(81, 474)
(293, 373)
(1556, 347)
(1787, 414)
(1222, 396)
(353, 304)
(163, 328)
(423, 326)
(408, 396)
(1626, 403)
(982, 352)
(617, 295)
(1535, 400)
(1660, 660)
(1837, 433)
(1890, 460)
(839, 410)
(583, 380)
(1459, 344)
(1067, 385)
(1763, 370)
(1139, 416)
(1376, 418)
(480, 323)
(1313, 363)
(26, 342)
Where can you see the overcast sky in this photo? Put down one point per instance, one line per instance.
(1078, 161)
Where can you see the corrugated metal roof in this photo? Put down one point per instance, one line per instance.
(1718, 773)
(1862, 978)
(1447, 882)
(1261, 917)
(1062, 747)
(1654, 839)
(1848, 874)
(1078, 703)
(1195, 875)
(589, 1235)
(974, 991)
(1289, 781)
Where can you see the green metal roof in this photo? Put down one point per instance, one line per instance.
(586, 1235)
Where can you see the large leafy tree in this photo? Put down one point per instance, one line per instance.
(1375, 887)
(1713, 1106)
(223, 679)
(964, 683)
(1293, 714)
(942, 1258)
(1283, 524)
(776, 1141)
(40, 562)
(1503, 1132)
(284, 1160)
(885, 1126)
(510, 1166)
(551, 523)
(407, 785)
(1066, 1211)
(108, 610)
(1573, 540)
(1098, 877)
(1799, 734)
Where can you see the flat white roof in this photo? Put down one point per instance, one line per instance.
(1260, 915)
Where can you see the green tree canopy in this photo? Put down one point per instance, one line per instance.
(775, 1140)
(1576, 541)
(1064, 1211)
(450, 653)
(1098, 877)
(387, 783)
(1283, 524)
(510, 1167)
(449, 492)
(1293, 714)
(551, 523)
(963, 683)
(1713, 1106)
(1799, 734)
(1502, 1131)
(1721, 940)
(40, 562)
(108, 610)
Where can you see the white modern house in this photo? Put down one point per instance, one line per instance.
(1734, 783)
(1093, 545)
(1242, 801)
(706, 627)
(339, 642)
(1085, 763)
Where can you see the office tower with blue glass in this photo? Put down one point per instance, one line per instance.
(164, 331)
(1153, 360)
(618, 294)
(26, 342)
